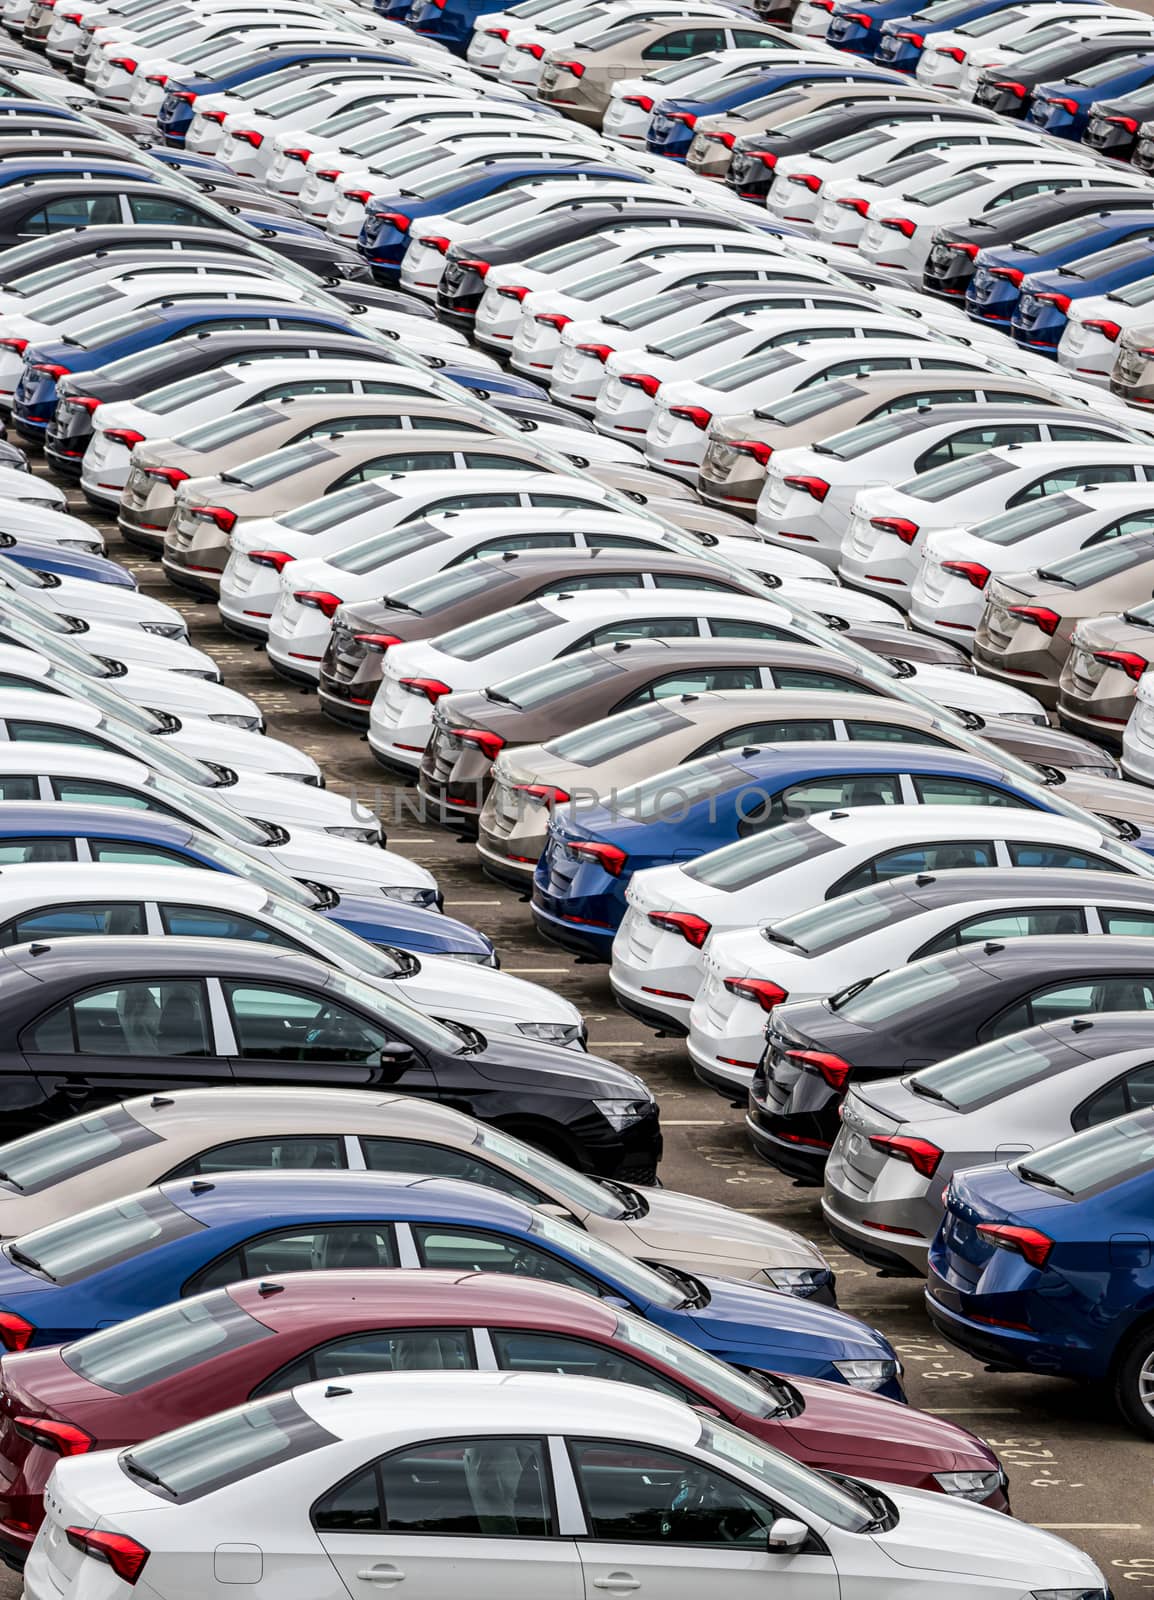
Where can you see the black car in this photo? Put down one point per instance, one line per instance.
(1113, 127)
(919, 1014)
(1007, 89)
(755, 155)
(951, 261)
(463, 280)
(90, 1021)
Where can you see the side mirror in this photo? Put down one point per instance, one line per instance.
(560, 1212)
(396, 1054)
(786, 1535)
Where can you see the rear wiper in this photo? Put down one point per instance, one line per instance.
(1056, 577)
(824, 450)
(836, 1001)
(130, 1464)
(6, 1177)
(398, 605)
(23, 1259)
(927, 1093)
(1031, 1175)
(774, 937)
(501, 699)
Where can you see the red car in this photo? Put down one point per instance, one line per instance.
(171, 1367)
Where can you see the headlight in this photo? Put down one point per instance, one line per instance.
(970, 1485)
(867, 1374)
(622, 1114)
(410, 895)
(253, 724)
(165, 630)
(802, 1281)
(482, 958)
(553, 1032)
(86, 545)
(1070, 1594)
(301, 777)
(360, 834)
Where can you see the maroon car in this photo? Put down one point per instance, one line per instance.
(196, 1356)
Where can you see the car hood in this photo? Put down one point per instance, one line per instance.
(510, 1060)
(966, 692)
(876, 1432)
(681, 1225)
(741, 1314)
(479, 994)
(178, 693)
(346, 862)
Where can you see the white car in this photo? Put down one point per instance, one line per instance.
(463, 1453)
(1138, 734)
(46, 525)
(109, 604)
(130, 646)
(810, 491)
(527, 45)
(1007, 30)
(1007, 52)
(947, 594)
(631, 100)
(657, 966)
(419, 674)
(35, 493)
(1094, 324)
(885, 536)
(60, 900)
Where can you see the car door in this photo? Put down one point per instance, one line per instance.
(663, 1524)
(1072, 997)
(1039, 921)
(359, 1246)
(113, 1041)
(942, 855)
(446, 1349)
(475, 1512)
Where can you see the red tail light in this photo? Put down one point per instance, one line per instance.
(643, 101)
(641, 380)
(124, 1555)
(860, 206)
(436, 242)
(766, 157)
(224, 519)
(599, 352)
(250, 136)
(810, 180)
(1066, 104)
(1028, 1243)
(125, 63)
(905, 530)
(862, 18)
(19, 345)
(577, 68)
(972, 571)
(832, 1068)
(125, 436)
(278, 560)
(15, 1331)
(514, 291)
(186, 97)
(760, 990)
(396, 219)
(923, 1156)
(1131, 664)
(331, 174)
(534, 50)
(1041, 616)
(1012, 88)
(497, 33)
(377, 641)
(544, 792)
(818, 488)
(489, 744)
(916, 39)
(685, 117)
(60, 1437)
(1060, 301)
(474, 265)
(1108, 330)
(753, 447)
(86, 402)
(1009, 274)
(607, 856)
(953, 52)
(317, 600)
(699, 417)
(209, 116)
(159, 78)
(901, 225)
(51, 368)
(170, 475)
(554, 319)
(431, 688)
(362, 195)
(695, 930)
(1131, 124)
(727, 139)
(298, 154)
(970, 250)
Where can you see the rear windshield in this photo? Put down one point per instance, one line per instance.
(210, 1455)
(668, 793)
(75, 1249)
(836, 922)
(896, 993)
(1097, 1159)
(1103, 561)
(482, 638)
(609, 282)
(318, 516)
(1024, 521)
(386, 547)
(228, 429)
(280, 464)
(443, 589)
(695, 339)
(869, 436)
(530, 690)
(955, 477)
(1110, 68)
(749, 860)
(810, 403)
(748, 371)
(50, 1155)
(960, 183)
(601, 741)
(662, 305)
(202, 387)
(157, 1346)
(978, 1076)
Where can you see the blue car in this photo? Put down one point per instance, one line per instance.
(857, 28)
(993, 291)
(1045, 1265)
(33, 833)
(54, 558)
(384, 235)
(902, 38)
(61, 1282)
(450, 22)
(25, 170)
(1063, 108)
(591, 852)
(1041, 313)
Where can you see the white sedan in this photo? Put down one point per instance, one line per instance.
(656, 971)
(809, 491)
(109, 604)
(130, 646)
(45, 524)
(1007, 53)
(1008, 30)
(1094, 324)
(884, 540)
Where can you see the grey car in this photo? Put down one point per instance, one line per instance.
(903, 1138)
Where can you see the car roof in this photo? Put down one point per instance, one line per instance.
(231, 1196)
(865, 756)
(1058, 954)
(93, 956)
(38, 883)
(595, 605)
(930, 890)
(921, 822)
(35, 818)
(242, 1108)
(723, 707)
(646, 655)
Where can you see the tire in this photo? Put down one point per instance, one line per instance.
(1134, 1381)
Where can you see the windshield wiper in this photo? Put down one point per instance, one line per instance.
(273, 832)
(1056, 577)
(225, 774)
(635, 1205)
(407, 963)
(929, 1094)
(836, 1001)
(501, 699)
(696, 1294)
(775, 937)
(131, 1464)
(1032, 1175)
(23, 1259)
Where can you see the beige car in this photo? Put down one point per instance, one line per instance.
(1108, 657)
(65, 1169)
(738, 449)
(1133, 376)
(1028, 623)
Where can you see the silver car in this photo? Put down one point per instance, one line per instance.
(903, 1138)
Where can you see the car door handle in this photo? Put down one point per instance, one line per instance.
(618, 1583)
(381, 1574)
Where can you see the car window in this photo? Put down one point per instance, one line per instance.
(352, 424)
(633, 1494)
(77, 211)
(52, 1155)
(970, 441)
(700, 681)
(949, 855)
(386, 466)
(522, 1351)
(15, 852)
(131, 1019)
(1056, 855)
(897, 993)
(22, 730)
(202, 922)
(480, 1488)
(769, 733)
(591, 580)
(284, 1153)
(273, 1024)
(307, 386)
(18, 786)
(684, 42)
(834, 792)
(935, 790)
(442, 1161)
(73, 921)
(1137, 522)
(637, 628)
(93, 792)
(1132, 1092)
(1075, 478)
(125, 853)
(685, 580)
(861, 367)
(747, 628)
(321, 1247)
(230, 1447)
(891, 732)
(1049, 920)
(494, 501)
(79, 1247)
(159, 1345)
(1057, 1001)
(1127, 923)
(471, 1250)
(381, 1350)
(813, 678)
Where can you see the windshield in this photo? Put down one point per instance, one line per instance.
(782, 1475)
(76, 303)
(715, 1377)
(280, 464)
(490, 634)
(51, 1155)
(598, 742)
(606, 283)
(1034, 517)
(1098, 1159)
(632, 1276)
(331, 941)
(1103, 561)
(655, 310)
(406, 1020)
(80, 1246)
(198, 805)
(960, 183)
(752, 369)
(159, 753)
(317, 516)
(543, 1171)
(971, 1079)
(955, 477)
(810, 403)
(672, 791)
(386, 547)
(869, 436)
(528, 691)
(736, 866)
(695, 339)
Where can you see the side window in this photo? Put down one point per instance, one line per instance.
(915, 400)
(77, 211)
(325, 430)
(746, 39)
(1079, 433)
(324, 1247)
(805, 678)
(861, 367)
(1134, 1092)
(1136, 522)
(287, 1153)
(19, 786)
(520, 541)
(517, 1351)
(72, 921)
(406, 1350)
(683, 580)
(147, 208)
(202, 922)
(25, 731)
(1127, 924)
(307, 386)
(557, 502)
(385, 466)
(633, 1494)
(1007, 925)
(743, 628)
(941, 791)
(684, 42)
(468, 1250)
(696, 682)
(1056, 855)
(593, 580)
(945, 857)
(495, 501)
(279, 1025)
(478, 1488)
(769, 733)
(93, 792)
(123, 852)
(440, 1161)
(1058, 1001)
(642, 628)
(126, 1019)
(971, 441)
(480, 461)
(1075, 478)
(877, 732)
(826, 794)
(17, 852)
(615, 541)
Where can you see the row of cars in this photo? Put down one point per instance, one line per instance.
(233, 1093)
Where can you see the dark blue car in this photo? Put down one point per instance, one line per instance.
(35, 833)
(1041, 313)
(903, 38)
(450, 22)
(993, 291)
(26, 170)
(63, 1281)
(384, 235)
(592, 851)
(1063, 108)
(856, 27)
(55, 558)
(1045, 1266)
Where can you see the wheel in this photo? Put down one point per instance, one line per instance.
(1134, 1382)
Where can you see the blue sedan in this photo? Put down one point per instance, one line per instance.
(993, 291)
(1045, 1266)
(384, 234)
(117, 1261)
(65, 563)
(36, 833)
(1063, 108)
(1041, 313)
(591, 852)
(855, 26)
(903, 38)
(26, 170)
